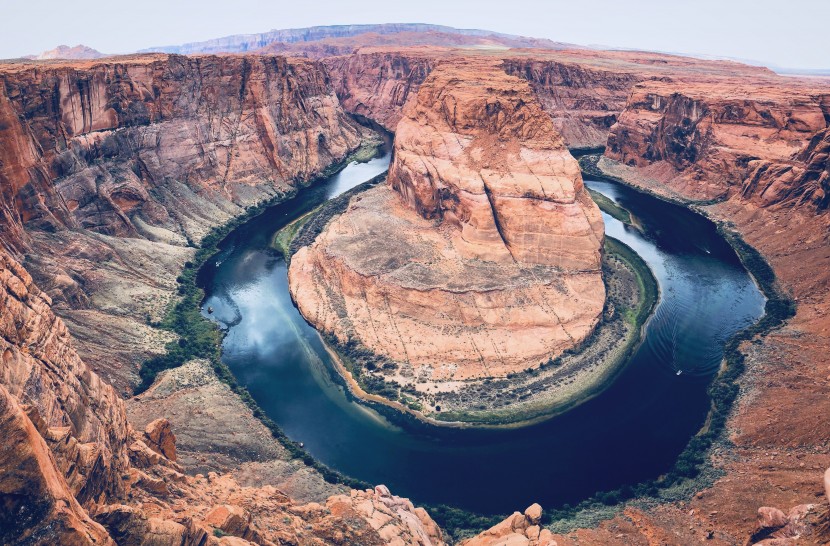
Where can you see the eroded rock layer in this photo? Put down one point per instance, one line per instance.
(109, 169)
(484, 259)
(711, 139)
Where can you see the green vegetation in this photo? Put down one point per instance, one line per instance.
(723, 392)
(609, 207)
(199, 338)
(645, 281)
(282, 240)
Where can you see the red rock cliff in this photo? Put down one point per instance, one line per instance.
(114, 145)
(108, 169)
(495, 266)
(712, 139)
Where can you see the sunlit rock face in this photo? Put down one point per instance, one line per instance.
(482, 255)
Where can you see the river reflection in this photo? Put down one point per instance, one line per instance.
(633, 431)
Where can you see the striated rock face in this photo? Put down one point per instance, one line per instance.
(80, 417)
(494, 265)
(121, 147)
(64, 456)
(38, 506)
(377, 84)
(711, 139)
(477, 153)
(582, 100)
(108, 169)
(760, 148)
(583, 91)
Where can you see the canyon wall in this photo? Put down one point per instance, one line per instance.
(495, 263)
(583, 91)
(583, 101)
(752, 154)
(64, 431)
(710, 140)
(74, 472)
(377, 84)
(110, 170)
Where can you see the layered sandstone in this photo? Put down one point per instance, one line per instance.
(710, 139)
(481, 257)
(582, 90)
(753, 157)
(110, 169)
(377, 84)
(73, 471)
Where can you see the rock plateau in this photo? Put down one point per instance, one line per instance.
(494, 265)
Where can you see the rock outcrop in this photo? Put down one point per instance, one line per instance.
(79, 416)
(109, 169)
(377, 84)
(494, 265)
(583, 91)
(711, 139)
(517, 530)
(65, 455)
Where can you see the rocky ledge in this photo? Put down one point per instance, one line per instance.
(480, 258)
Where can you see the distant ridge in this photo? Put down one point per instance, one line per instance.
(79, 51)
(241, 43)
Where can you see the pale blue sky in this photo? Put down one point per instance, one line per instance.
(789, 33)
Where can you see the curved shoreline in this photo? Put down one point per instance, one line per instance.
(593, 506)
(399, 412)
(550, 403)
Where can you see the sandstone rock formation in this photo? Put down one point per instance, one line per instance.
(109, 169)
(755, 146)
(709, 139)
(65, 455)
(137, 155)
(517, 530)
(79, 416)
(494, 265)
(377, 84)
(583, 91)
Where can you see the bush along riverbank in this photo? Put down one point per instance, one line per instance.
(692, 471)
(200, 338)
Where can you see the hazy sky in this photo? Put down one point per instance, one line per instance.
(788, 33)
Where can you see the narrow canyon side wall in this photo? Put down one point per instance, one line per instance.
(710, 140)
(377, 84)
(494, 265)
(110, 169)
(582, 101)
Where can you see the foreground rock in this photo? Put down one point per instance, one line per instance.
(481, 257)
